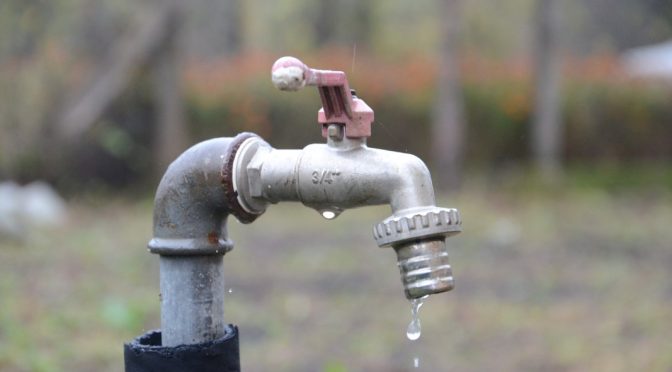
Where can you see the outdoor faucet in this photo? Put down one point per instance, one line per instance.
(243, 175)
(344, 173)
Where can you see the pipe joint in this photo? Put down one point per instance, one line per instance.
(190, 208)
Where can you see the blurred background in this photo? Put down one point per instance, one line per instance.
(546, 122)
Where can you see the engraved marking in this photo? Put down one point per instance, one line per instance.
(322, 176)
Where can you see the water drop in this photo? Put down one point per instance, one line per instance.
(414, 330)
(416, 362)
(330, 215)
(415, 327)
(230, 290)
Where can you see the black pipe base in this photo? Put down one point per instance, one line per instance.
(145, 354)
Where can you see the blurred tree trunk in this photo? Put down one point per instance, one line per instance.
(344, 22)
(232, 26)
(170, 131)
(135, 49)
(215, 28)
(448, 129)
(547, 128)
(362, 26)
(157, 41)
(324, 26)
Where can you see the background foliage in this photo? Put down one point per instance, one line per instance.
(49, 51)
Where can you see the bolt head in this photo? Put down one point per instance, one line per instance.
(335, 132)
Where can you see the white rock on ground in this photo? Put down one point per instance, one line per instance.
(32, 206)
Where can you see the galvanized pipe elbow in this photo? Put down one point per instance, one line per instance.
(190, 207)
(190, 215)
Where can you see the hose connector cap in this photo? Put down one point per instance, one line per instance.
(419, 239)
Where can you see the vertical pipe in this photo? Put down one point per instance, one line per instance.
(192, 299)
(171, 129)
(448, 128)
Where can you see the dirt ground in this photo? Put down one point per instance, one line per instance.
(573, 280)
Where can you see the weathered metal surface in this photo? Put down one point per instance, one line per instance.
(192, 299)
(190, 211)
(228, 182)
(190, 207)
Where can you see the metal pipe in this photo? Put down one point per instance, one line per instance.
(331, 176)
(192, 299)
(190, 211)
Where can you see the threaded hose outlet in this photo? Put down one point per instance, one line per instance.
(424, 267)
(419, 239)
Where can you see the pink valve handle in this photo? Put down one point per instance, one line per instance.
(339, 106)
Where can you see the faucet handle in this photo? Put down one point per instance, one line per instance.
(339, 105)
(289, 74)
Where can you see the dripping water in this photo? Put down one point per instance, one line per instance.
(414, 327)
(329, 215)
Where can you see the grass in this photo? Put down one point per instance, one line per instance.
(569, 280)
